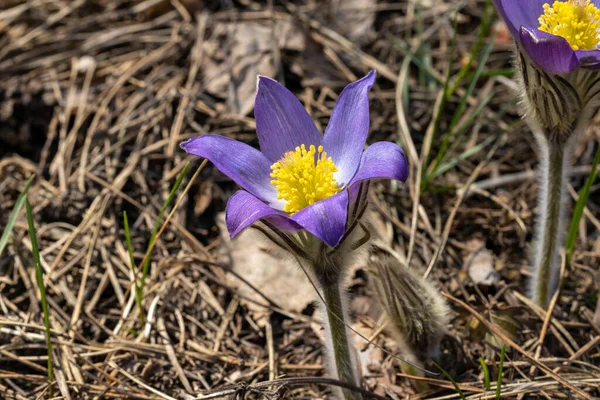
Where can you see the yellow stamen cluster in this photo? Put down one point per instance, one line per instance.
(303, 177)
(577, 21)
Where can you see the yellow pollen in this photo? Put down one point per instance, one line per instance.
(303, 177)
(577, 21)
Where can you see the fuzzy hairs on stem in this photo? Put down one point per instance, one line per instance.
(550, 228)
(557, 108)
(340, 355)
(326, 268)
(329, 270)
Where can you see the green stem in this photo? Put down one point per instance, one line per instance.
(550, 227)
(338, 335)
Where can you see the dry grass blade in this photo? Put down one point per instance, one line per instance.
(497, 331)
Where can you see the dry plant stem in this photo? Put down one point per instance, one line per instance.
(553, 176)
(334, 308)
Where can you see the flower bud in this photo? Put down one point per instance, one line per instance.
(551, 102)
(417, 313)
(558, 62)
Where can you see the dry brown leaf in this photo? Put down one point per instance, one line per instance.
(354, 18)
(370, 357)
(203, 198)
(479, 263)
(315, 69)
(281, 280)
(238, 53)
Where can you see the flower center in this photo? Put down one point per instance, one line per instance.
(577, 21)
(303, 177)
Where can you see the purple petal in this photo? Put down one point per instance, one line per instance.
(518, 13)
(382, 160)
(348, 128)
(245, 165)
(243, 209)
(549, 52)
(589, 59)
(282, 123)
(326, 219)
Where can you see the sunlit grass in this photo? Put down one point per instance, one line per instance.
(12, 219)
(39, 273)
(139, 287)
(580, 205)
(449, 377)
(138, 292)
(500, 368)
(486, 375)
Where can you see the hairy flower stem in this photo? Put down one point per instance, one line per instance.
(550, 228)
(342, 352)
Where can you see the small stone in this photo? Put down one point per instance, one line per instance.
(479, 264)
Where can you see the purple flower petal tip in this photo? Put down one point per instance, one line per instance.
(282, 123)
(244, 209)
(184, 144)
(242, 163)
(382, 160)
(348, 128)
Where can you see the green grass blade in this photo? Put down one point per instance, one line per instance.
(486, 374)
(461, 108)
(419, 31)
(465, 98)
(492, 73)
(581, 202)
(12, 219)
(462, 129)
(158, 222)
(414, 58)
(445, 97)
(499, 384)
(39, 273)
(461, 157)
(484, 30)
(447, 375)
(129, 246)
(138, 293)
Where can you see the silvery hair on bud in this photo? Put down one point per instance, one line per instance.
(416, 311)
(549, 102)
(559, 106)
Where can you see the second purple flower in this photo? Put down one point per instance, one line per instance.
(559, 36)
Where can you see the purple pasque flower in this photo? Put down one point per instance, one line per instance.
(301, 179)
(559, 37)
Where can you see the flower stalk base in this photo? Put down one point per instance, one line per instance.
(550, 229)
(342, 350)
